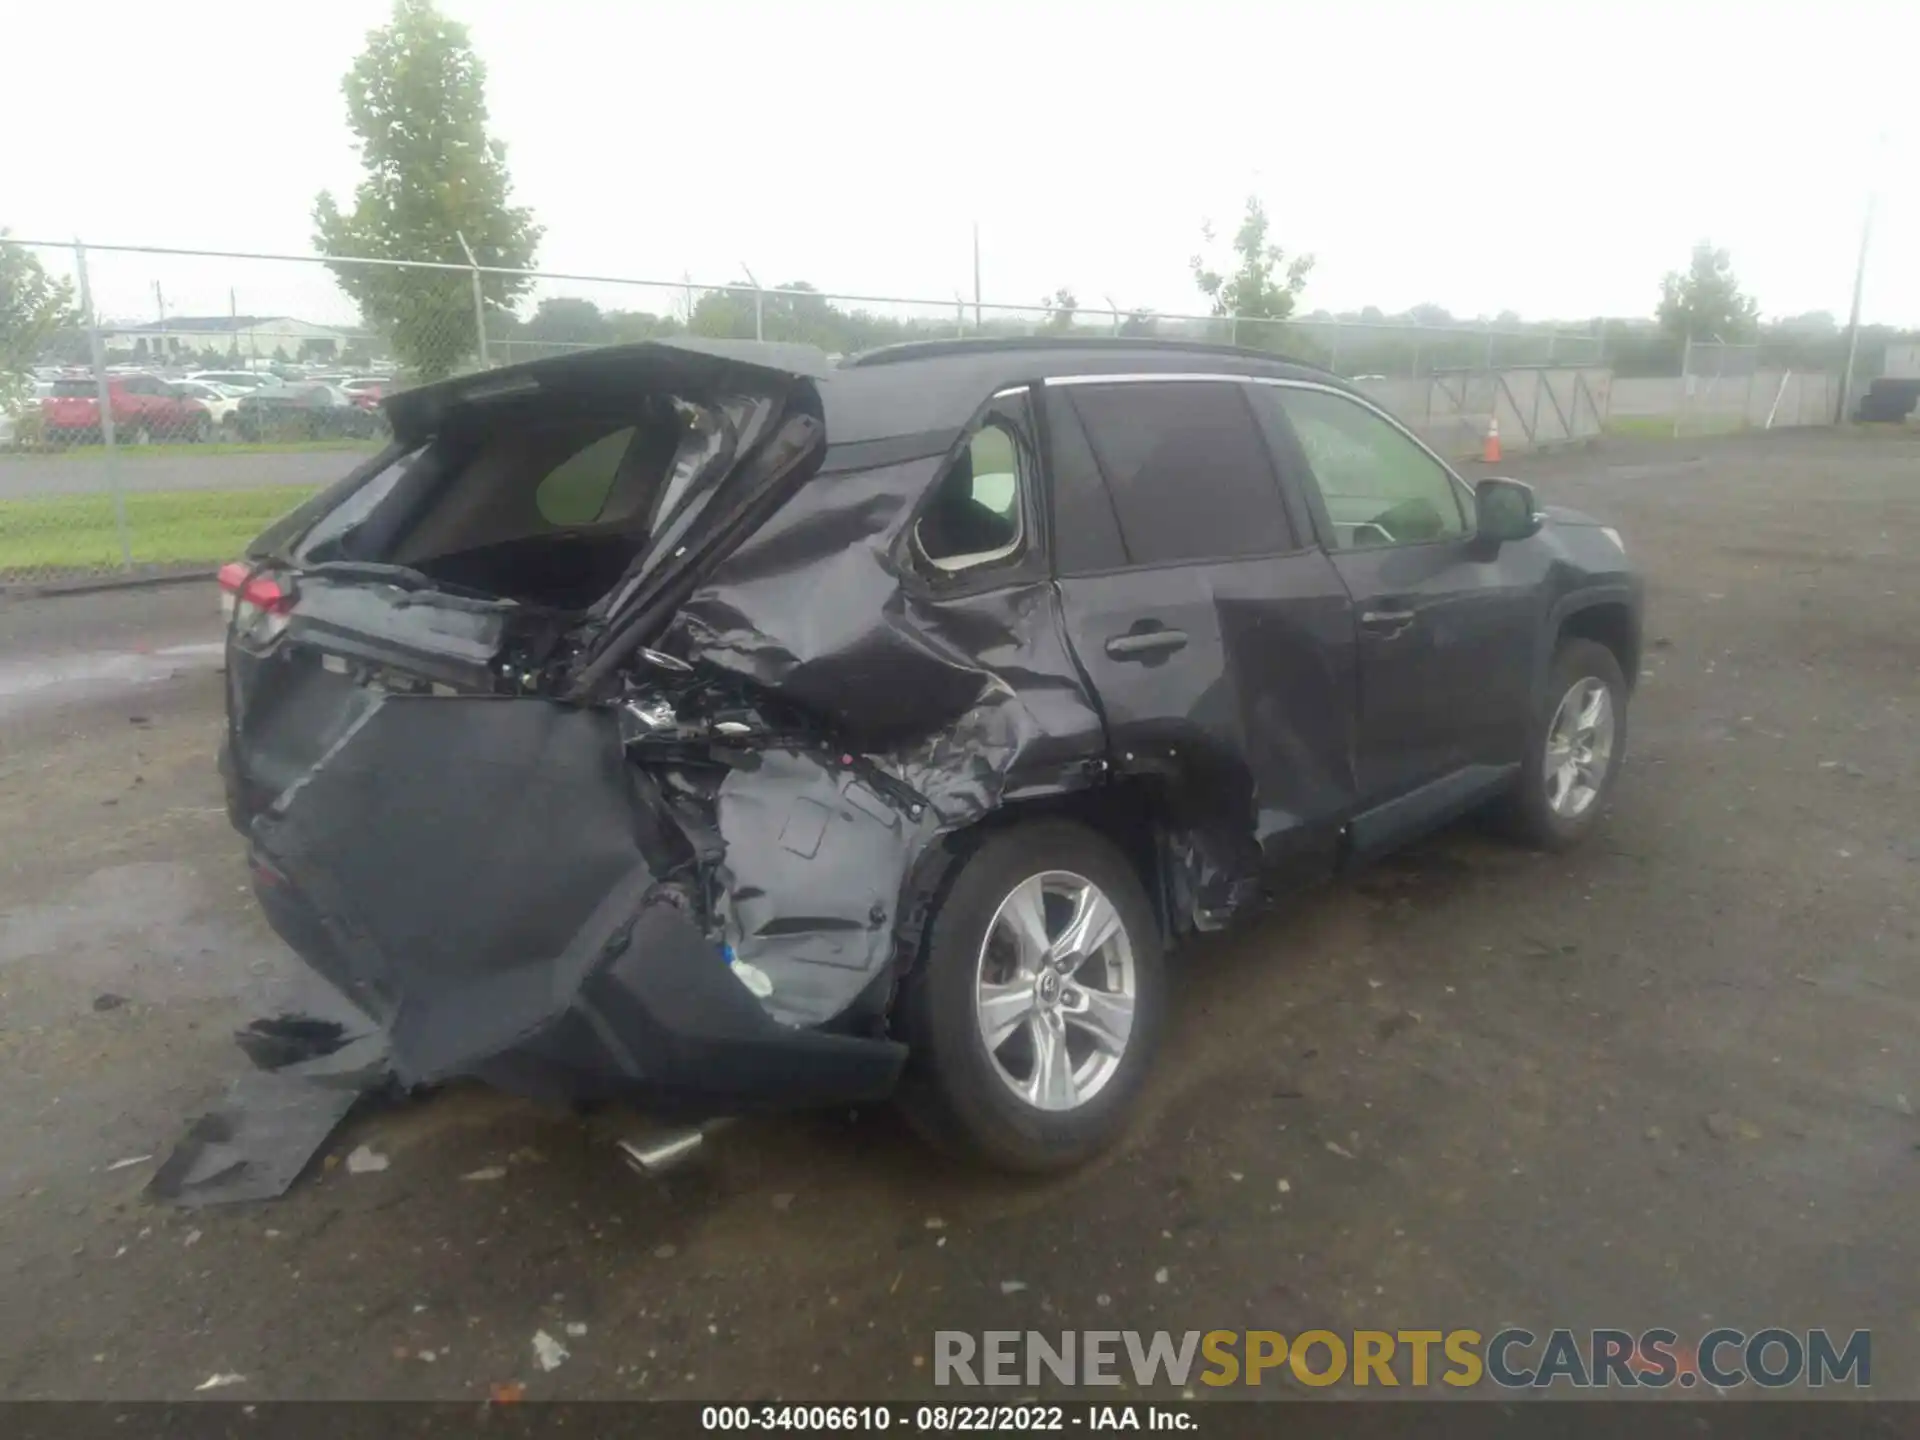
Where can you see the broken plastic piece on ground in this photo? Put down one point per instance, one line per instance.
(255, 1144)
(658, 1154)
(548, 1352)
(365, 1160)
(510, 1393)
(220, 1382)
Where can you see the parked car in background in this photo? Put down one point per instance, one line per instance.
(144, 408)
(240, 379)
(304, 410)
(366, 388)
(221, 402)
(699, 723)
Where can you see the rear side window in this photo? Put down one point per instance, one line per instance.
(75, 390)
(575, 491)
(1187, 469)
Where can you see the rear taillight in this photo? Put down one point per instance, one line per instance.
(262, 601)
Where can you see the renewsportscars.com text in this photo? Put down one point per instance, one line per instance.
(1512, 1358)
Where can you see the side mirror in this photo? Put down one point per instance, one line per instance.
(1506, 510)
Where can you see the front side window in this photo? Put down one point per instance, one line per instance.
(974, 517)
(1378, 486)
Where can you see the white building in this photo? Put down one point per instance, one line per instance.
(250, 337)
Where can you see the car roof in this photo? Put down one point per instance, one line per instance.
(932, 386)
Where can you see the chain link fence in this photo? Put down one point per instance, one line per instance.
(1723, 389)
(194, 395)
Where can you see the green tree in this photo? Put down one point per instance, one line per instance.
(416, 98)
(1261, 283)
(1706, 303)
(567, 320)
(1062, 306)
(1140, 324)
(34, 309)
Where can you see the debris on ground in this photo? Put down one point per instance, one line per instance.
(575, 1329)
(1392, 1025)
(1283, 1187)
(1903, 1105)
(108, 1001)
(365, 1160)
(1160, 1276)
(1335, 1147)
(664, 1252)
(1012, 1287)
(1724, 1127)
(934, 1222)
(487, 1172)
(192, 1238)
(1235, 1176)
(275, 1042)
(255, 1144)
(511, 1392)
(128, 1163)
(548, 1352)
(220, 1382)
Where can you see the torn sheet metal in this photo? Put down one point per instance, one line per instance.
(495, 882)
(689, 880)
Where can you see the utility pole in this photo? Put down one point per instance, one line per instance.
(976, 275)
(759, 298)
(1859, 283)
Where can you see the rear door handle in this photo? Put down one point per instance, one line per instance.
(1146, 642)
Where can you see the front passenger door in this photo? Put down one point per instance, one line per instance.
(1444, 631)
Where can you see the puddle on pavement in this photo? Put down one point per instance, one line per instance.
(48, 679)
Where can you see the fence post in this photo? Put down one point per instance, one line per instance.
(97, 352)
(1686, 384)
(479, 301)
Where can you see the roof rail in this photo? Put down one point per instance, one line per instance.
(990, 345)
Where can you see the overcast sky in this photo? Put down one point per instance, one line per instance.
(1549, 158)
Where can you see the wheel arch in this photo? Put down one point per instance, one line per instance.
(1605, 618)
(1128, 813)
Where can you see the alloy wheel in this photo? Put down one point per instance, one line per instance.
(1579, 748)
(1055, 990)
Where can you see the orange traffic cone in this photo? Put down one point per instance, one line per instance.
(1490, 450)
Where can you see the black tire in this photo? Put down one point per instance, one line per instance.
(953, 1092)
(1529, 814)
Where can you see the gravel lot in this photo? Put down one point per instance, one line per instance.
(1670, 1079)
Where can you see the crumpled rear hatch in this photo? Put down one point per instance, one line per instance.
(439, 778)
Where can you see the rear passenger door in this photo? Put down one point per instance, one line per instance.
(1218, 638)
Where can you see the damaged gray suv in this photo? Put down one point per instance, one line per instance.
(708, 727)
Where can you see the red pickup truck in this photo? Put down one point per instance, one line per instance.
(145, 408)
